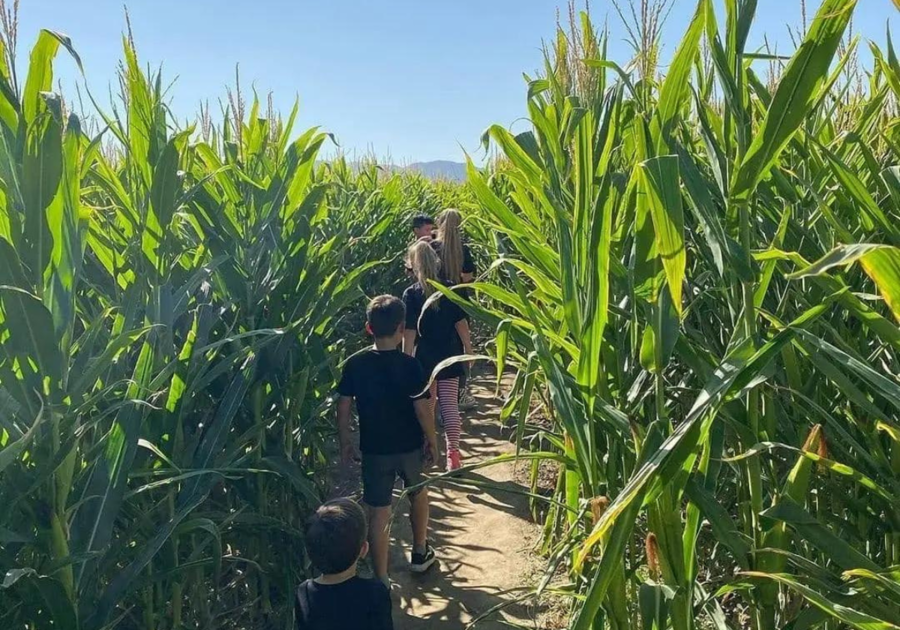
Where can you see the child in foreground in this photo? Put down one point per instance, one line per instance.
(396, 427)
(339, 599)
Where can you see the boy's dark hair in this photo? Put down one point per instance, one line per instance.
(421, 220)
(385, 314)
(335, 535)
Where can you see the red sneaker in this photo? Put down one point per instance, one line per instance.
(453, 460)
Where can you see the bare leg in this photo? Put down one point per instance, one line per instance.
(418, 517)
(379, 539)
(433, 402)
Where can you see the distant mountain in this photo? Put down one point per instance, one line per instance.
(436, 169)
(440, 169)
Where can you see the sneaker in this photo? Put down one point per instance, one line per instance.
(466, 401)
(421, 562)
(453, 462)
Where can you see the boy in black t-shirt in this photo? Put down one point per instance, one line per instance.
(397, 435)
(339, 599)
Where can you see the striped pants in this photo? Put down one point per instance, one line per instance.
(447, 393)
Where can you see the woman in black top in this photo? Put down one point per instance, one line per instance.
(457, 264)
(436, 330)
(458, 267)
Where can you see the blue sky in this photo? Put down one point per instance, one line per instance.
(409, 79)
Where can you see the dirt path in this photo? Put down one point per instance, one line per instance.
(483, 538)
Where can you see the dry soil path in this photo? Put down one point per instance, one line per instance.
(483, 538)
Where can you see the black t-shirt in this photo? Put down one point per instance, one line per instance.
(355, 604)
(385, 384)
(437, 338)
(468, 264)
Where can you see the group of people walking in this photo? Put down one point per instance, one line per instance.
(441, 331)
(413, 367)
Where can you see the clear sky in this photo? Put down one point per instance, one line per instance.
(410, 79)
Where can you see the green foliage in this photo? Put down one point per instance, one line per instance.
(715, 392)
(172, 312)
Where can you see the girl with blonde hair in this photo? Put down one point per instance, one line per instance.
(436, 330)
(456, 259)
(458, 267)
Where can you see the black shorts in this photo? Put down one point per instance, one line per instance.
(379, 472)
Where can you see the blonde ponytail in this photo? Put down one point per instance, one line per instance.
(425, 265)
(450, 237)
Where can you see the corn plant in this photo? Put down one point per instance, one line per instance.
(170, 318)
(676, 286)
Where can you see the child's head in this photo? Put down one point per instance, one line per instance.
(385, 316)
(425, 264)
(422, 225)
(336, 536)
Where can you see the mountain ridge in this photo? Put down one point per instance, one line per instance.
(438, 169)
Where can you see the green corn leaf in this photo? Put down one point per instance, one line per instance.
(850, 616)
(98, 365)
(888, 580)
(40, 72)
(653, 603)
(294, 474)
(606, 573)
(706, 212)
(11, 272)
(190, 497)
(105, 490)
(43, 593)
(836, 467)
(801, 521)
(721, 522)
(854, 187)
(676, 88)
(891, 177)
(11, 452)
(888, 388)
(517, 153)
(502, 343)
(733, 374)
(9, 101)
(177, 386)
(166, 184)
(797, 90)
(66, 227)
(42, 170)
(605, 64)
(525, 402)
(890, 66)
(659, 181)
(27, 322)
(880, 262)
(462, 358)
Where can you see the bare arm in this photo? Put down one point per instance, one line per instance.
(425, 415)
(467, 277)
(462, 328)
(348, 450)
(409, 342)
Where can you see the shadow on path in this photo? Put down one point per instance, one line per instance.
(483, 537)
